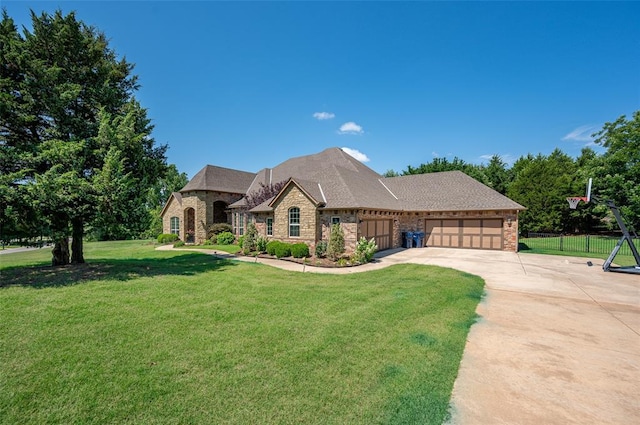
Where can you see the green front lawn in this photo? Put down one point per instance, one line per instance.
(143, 336)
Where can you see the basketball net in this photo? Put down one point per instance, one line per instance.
(575, 200)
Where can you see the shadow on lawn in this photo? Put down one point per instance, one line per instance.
(113, 269)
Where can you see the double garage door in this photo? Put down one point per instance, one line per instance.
(464, 233)
(380, 230)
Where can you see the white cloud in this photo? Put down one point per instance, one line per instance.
(350, 128)
(582, 134)
(323, 115)
(356, 154)
(435, 154)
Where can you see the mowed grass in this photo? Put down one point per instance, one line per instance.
(152, 337)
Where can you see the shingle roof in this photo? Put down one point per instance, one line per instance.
(220, 179)
(336, 180)
(331, 176)
(446, 191)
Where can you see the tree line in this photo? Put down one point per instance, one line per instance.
(542, 183)
(76, 153)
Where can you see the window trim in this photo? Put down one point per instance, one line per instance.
(294, 222)
(174, 229)
(269, 226)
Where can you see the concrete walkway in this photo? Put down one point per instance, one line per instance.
(558, 341)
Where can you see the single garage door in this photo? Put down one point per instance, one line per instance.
(380, 230)
(465, 233)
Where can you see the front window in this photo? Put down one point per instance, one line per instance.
(335, 220)
(241, 224)
(269, 226)
(175, 226)
(294, 221)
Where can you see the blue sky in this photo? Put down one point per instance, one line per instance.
(248, 85)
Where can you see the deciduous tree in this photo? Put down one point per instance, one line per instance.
(618, 176)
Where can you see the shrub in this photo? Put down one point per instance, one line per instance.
(240, 241)
(214, 239)
(365, 250)
(271, 247)
(217, 228)
(336, 242)
(300, 250)
(249, 241)
(321, 249)
(207, 242)
(261, 244)
(178, 244)
(167, 238)
(283, 250)
(226, 238)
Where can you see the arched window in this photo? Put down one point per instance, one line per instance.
(294, 221)
(174, 225)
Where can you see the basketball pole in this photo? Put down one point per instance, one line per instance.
(626, 235)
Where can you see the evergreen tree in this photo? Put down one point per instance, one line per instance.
(542, 184)
(335, 248)
(61, 84)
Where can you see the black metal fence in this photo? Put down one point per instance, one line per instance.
(584, 243)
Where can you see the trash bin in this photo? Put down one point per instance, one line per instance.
(408, 240)
(418, 237)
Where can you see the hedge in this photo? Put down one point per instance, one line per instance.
(300, 250)
(167, 238)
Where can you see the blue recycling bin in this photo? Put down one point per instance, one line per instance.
(407, 240)
(418, 237)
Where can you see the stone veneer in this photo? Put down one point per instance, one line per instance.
(294, 197)
(173, 209)
(315, 223)
(348, 223)
(202, 203)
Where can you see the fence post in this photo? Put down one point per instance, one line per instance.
(587, 243)
(561, 243)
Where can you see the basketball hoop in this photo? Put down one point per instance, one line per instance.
(574, 201)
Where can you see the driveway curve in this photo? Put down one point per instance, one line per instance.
(557, 341)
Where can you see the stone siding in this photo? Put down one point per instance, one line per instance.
(294, 197)
(202, 203)
(348, 223)
(173, 209)
(315, 224)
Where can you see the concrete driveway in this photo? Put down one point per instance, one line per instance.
(558, 341)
